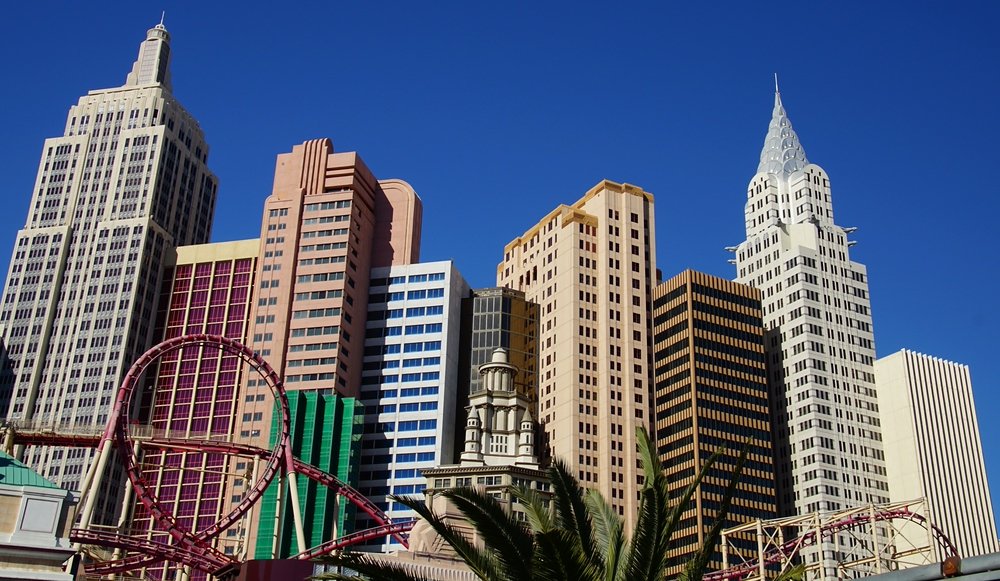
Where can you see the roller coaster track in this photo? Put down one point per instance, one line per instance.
(783, 553)
(186, 547)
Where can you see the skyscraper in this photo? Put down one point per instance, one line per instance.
(327, 223)
(933, 447)
(819, 334)
(410, 382)
(590, 267)
(125, 183)
(711, 392)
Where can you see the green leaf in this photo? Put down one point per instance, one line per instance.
(482, 562)
(506, 537)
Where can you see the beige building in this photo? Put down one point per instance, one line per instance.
(933, 448)
(590, 268)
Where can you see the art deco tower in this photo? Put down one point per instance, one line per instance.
(819, 340)
(124, 184)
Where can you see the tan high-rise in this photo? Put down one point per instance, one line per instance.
(590, 268)
(711, 392)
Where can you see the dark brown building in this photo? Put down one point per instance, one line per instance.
(710, 388)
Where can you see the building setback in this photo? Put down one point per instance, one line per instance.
(819, 340)
(933, 447)
(410, 382)
(125, 184)
(208, 289)
(711, 392)
(326, 224)
(590, 268)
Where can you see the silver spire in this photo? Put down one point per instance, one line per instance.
(782, 153)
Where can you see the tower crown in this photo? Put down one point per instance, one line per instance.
(152, 66)
(782, 153)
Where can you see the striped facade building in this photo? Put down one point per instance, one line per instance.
(711, 392)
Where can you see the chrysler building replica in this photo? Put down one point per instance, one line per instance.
(819, 345)
(124, 185)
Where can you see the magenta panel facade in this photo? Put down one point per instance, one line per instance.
(196, 394)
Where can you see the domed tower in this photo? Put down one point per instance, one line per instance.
(498, 374)
(473, 437)
(526, 441)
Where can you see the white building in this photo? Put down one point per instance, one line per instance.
(933, 449)
(409, 385)
(125, 183)
(819, 339)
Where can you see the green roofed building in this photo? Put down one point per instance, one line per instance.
(33, 524)
(326, 432)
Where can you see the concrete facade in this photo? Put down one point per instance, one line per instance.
(933, 447)
(819, 341)
(590, 267)
(126, 183)
(711, 392)
(34, 525)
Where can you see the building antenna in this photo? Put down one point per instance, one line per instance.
(776, 83)
(162, 16)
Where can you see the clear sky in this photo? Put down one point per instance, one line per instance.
(497, 112)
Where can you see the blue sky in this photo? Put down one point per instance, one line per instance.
(497, 112)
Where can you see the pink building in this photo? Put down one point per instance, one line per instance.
(327, 223)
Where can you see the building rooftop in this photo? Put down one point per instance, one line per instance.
(14, 473)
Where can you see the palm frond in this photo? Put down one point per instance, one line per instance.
(507, 538)
(647, 551)
(609, 538)
(538, 511)
(560, 557)
(367, 567)
(481, 562)
(571, 512)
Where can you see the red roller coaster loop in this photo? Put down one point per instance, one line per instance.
(187, 547)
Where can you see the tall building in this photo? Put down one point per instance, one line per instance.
(819, 335)
(410, 382)
(326, 224)
(126, 183)
(933, 447)
(711, 392)
(501, 318)
(590, 268)
(208, 289)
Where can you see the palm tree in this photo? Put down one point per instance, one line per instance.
(578, 537)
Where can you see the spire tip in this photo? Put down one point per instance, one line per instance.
(776, 83)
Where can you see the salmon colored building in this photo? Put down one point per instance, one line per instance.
(326, 224)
